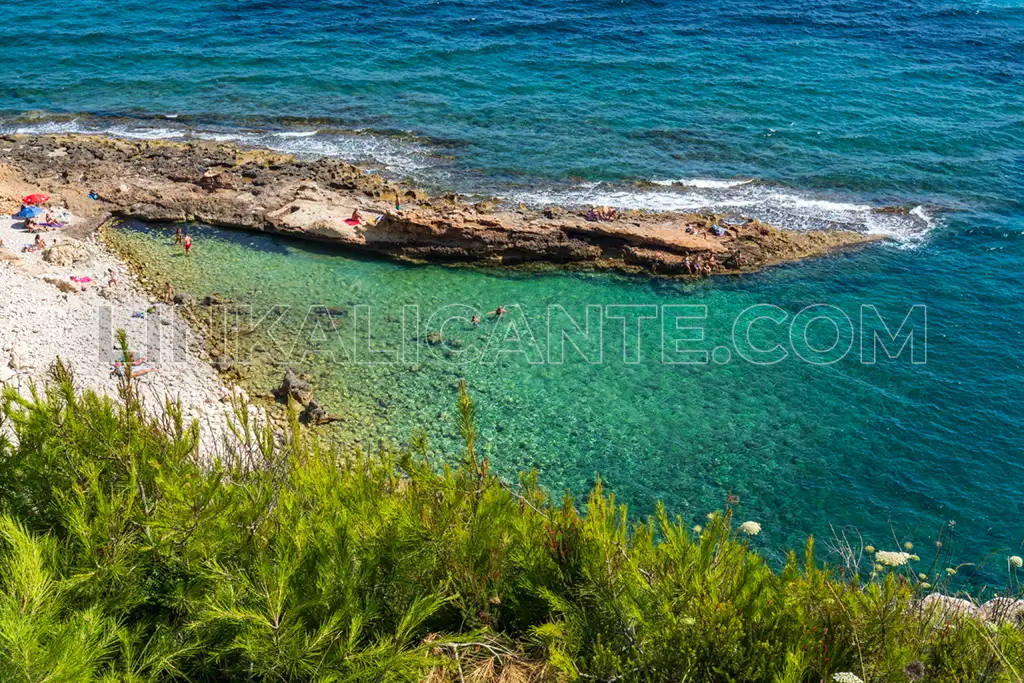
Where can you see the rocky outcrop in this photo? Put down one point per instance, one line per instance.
(996, 611)
(66, 253)
(225, 185)
(292, 385)
(313, 414)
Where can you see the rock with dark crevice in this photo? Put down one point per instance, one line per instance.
(295, 387)
(313, 413)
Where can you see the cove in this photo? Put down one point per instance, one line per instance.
(888, 448)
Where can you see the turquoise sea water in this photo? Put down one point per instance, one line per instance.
(806, 114)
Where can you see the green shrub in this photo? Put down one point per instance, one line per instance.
(124, 557)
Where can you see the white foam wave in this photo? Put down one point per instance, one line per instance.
(296, 134)
(396, 156)
(218, 137)
(703, 183)
(75, 126)
(778, 206)
(144, 133)
(47, 128)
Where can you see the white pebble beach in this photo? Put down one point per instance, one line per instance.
(39, 323)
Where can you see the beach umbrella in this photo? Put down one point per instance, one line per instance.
(37, 198)
(30, 212)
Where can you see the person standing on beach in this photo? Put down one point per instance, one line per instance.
(168, 293)
(178, 234)
(188, 244)
(398, 203)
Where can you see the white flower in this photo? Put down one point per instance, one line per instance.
(1016, 561)
(891, 559)
(750, 528)
(869, 549)
(950, 571)
(922, 576)
(908, 546)
(712, 516)
(846, 677)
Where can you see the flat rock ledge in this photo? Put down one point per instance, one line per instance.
(225, 185)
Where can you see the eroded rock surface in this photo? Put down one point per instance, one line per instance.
(225, 185)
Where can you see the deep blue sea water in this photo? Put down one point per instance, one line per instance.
(901, 118)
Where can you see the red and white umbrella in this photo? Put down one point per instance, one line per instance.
(38, 198)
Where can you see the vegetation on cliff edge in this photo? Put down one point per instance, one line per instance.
(123, 557)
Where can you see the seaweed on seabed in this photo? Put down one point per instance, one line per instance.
(125, 557)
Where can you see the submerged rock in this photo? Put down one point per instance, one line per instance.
(296, 387)
(313, 413)
(223, 363)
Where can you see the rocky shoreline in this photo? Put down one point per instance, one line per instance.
(225, 185)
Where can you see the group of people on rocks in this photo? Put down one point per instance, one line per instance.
(700, 265)
(602, 213)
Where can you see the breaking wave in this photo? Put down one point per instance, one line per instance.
(784, 207)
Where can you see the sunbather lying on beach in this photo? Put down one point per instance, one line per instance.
(84, 281)
(138, 369)
(38, 245)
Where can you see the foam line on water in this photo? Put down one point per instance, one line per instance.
(779, 206)
(706, 183)
(400, 157)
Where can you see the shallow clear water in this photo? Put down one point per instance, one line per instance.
(806, 114)
(801, 444)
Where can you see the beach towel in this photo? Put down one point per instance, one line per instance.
(353, 221)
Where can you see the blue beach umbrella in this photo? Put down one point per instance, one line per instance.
(29, 212)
